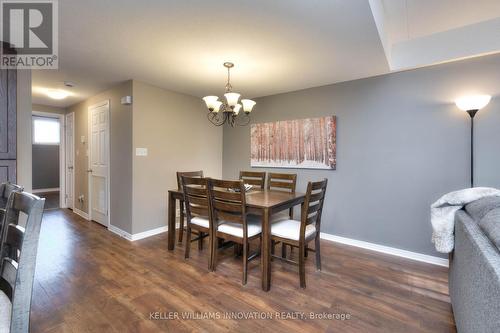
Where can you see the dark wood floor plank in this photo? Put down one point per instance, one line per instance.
(90, 280)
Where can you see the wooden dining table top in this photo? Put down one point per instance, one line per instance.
(264, 198)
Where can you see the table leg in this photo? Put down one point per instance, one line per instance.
(171, 222)
(181, 220)
(266, 250)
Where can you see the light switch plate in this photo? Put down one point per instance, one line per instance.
(141, 151)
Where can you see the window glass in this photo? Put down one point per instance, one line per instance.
(46, 131)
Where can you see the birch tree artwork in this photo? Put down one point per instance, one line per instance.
(303, 144)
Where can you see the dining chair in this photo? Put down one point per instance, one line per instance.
(230, 220)
(286, 182)
(182, 210)
(5, 191)
(198, 214)
(18, 254)
(254, 178)
(300, 233)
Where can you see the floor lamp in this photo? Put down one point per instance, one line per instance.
(471, 105)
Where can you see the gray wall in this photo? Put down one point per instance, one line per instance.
(401, 144)
(174, 129)
(120, 154)
(45, 161)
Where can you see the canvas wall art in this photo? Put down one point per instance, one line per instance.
(303, 144)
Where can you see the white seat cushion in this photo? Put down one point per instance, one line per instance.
(236, 229)
(280, 217)
(5, 313)
(290, 229)
(202, 222)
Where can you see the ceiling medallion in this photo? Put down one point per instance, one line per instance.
(229, 110)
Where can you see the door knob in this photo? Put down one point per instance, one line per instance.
(89, 170)
(70, 168)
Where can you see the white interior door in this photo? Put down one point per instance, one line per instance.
(99, 163)
(70, 160)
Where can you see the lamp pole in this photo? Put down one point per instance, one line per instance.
(472, 113)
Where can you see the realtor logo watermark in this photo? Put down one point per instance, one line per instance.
(29, 30)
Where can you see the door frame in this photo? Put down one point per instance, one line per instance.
(66, 162)
(89, 164)
(62, 150)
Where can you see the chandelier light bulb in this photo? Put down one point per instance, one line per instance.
(232, 99)
(237, 109)
(210, 101)
(248, 105)
(217, 105)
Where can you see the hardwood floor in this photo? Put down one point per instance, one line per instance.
(51, 200)
(90, 280)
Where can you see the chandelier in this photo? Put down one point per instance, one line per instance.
(229, 110)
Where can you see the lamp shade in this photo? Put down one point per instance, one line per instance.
(237, 109)
(248, 105)
(476, 102)
(232, 99)
(217, 105)
(211, 102)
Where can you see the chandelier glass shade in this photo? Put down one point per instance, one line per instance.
(228, 111)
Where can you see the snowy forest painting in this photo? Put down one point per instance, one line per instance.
(304, 144)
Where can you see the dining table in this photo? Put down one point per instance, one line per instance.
(264, 203)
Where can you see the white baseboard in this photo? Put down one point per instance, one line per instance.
(138, 236)
(149, 233)
(120, 232)
(46, 190)
(81, 213)
(338, 239)
(387, 250)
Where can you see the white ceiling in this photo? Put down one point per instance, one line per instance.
(410, 19)
(277, 46)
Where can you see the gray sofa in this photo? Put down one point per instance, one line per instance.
(474, 275)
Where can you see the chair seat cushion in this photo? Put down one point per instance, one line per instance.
(290, 229)
(280, 217)
(202, 222)
(5, 313)
(236, 229)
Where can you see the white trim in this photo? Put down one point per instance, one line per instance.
(81, 213)
(120, 232)
(386, 249)
(89, 148)
(64, 172)
(149, 233)
(333, 238)
(46, 190)
(135, 237)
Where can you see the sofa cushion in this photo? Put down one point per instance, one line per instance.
(479, 208)
(490, 225)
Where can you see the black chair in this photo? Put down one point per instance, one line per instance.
(5, 191)
(18, 256)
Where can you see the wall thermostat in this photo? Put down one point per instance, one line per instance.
(126, 100)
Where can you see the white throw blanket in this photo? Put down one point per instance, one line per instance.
(443, 214)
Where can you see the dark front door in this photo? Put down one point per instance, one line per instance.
(8, 127)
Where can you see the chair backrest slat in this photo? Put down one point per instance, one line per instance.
(18, 255)
(313, 205)
(191, 174)
(254, 178)
(196, 197)
(228, 201)
(282, 181)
